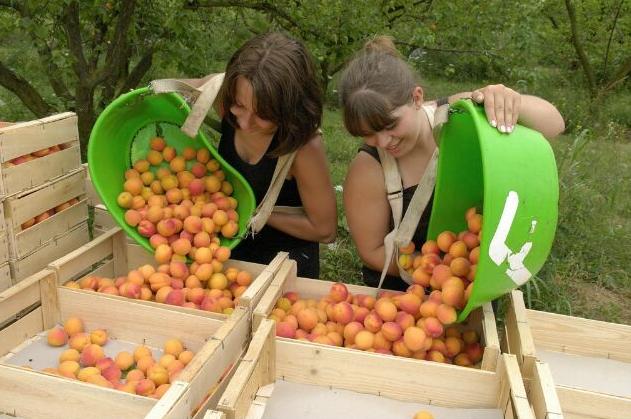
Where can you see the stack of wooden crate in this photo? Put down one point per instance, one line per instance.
(43, 181)
(102, 220)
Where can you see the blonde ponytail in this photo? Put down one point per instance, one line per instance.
(383, 44)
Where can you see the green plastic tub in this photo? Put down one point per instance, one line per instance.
(513, 180)
(121, 136)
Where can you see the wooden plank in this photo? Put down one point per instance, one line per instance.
(254, 293)
(26, 137)
(518, 337)
(21, 330)
(49, 301)
(36, 172)
(5, 276)
(21, 296)
(519, 404)
(164, 408)
(138, 256)
(577, 403)
(30, 394)
(26, 241)
(93, 196)
(384, 375)
(560, 333)
(4, 243)
(215, 359)
(542, 393)
(213, 414)
(286, 274)
(102, 218)
(257, 368)
(52, 250)
(77, 261)
(28, 204)
(138, 323)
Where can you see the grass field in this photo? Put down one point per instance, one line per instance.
(587, 273)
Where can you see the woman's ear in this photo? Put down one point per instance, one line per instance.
(417, 96)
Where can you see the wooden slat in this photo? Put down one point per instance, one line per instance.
(214, 360)
(519, 403)
(138, 323)
(26, 137)
(257, 368)
(30, 394)
(21, 296)
(560, 333)
(36, 172)
(26, 241)
(31, 203)
(577, 403)
(518, 336)
(77, 261)
(5, 276)
(23, 329)
(394, 377)
(543, 395)
(52, 250)
(254, 293)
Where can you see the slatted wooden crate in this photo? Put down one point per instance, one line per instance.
(570, 346)
(93, 197)
(37, 304)
(4, 248)
(28, 204)
(103, 221)
(111, 255)
(24, 138)
(371, 378)
(48, 252)
(481, 320)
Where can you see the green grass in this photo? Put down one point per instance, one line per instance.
(587, 273)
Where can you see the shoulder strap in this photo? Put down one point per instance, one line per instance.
(405, 226)
(202, 97)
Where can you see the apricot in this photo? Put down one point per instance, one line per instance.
(373, 322)
(79, 341)
(399, 348)
(307, 319)
(386, 309)
(230, 229)
(404, 320)
(474, 256)
(173, 347)
(69, 355)
(410, 303)
(135, 375)
(423, 414)
(446, 314)
(185, 357)
(91, 354)
(364, 340)
(69, 369)
(414, 338)
(222, 254)
(445, 240)
(145, 386)
(57, 337)
(285, 330)
(98, 337)
(474, 223)
(391, 331)
(474, 351)
(343, 313)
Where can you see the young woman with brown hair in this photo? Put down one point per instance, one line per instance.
(384, 104)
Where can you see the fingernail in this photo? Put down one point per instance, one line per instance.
(493, 123)
(510, 128)
(502, 128)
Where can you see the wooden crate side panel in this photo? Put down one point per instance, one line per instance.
(542, 393)
(216, 359)
(28, 394)
(24, 138)
(257, 368)
(21, 330)
(41, 170)
(513, 396)
(390, 376)
(102, 218)
(23, 207)
(518, 336)
(561, 333)
(49, 252)
(262, 275)
(82, 258)
(284, 278)
(577, 403)
(26, 241)
(22, 296)
(127, 320)
(138, 256)
(93, 196)
(4, 245)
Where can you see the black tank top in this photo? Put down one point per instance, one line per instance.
(371, 277)
(264, 246)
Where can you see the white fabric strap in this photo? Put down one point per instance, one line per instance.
(202, 97)
(403, 230)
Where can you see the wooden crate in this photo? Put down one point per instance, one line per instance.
(28, 204)
(37, 304)
(27, 137)
(48, 252)
(269, 360)
(5, 276)
(111, 255)
(103, 221)
(531, 333)
(481, 320)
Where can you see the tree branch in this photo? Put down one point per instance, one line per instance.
(138, 72)
(620, 75)
(450, 50)
(613, 29)
(25, 91)
(578, 47)
(71, 24)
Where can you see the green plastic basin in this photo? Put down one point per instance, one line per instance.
(121, 135)
(513, 180)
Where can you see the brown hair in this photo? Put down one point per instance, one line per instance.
(285, 84)
(373, 85)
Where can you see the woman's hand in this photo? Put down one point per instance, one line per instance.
(501, 105)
